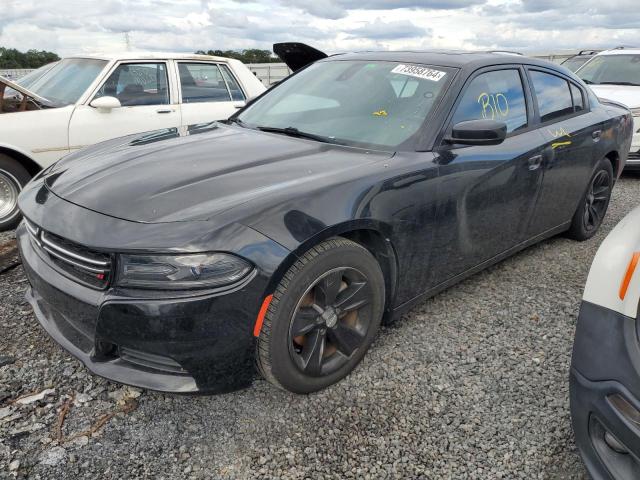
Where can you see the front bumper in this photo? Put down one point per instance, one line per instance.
(605, 393)
(166, 341)
(633, 162)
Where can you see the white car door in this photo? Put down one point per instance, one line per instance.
(208, 92)
(147, 103)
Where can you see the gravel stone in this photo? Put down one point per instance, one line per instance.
(471, 384)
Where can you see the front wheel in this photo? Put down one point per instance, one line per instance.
(323, 317)
(593, 206)
(13, 177)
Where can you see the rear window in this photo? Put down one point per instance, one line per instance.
(553, 95)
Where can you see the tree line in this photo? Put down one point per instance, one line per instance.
(12, 58)
(251, 55)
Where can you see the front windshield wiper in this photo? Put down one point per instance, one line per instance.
(588, 82)
(238, 122)
(630, 84)
(294, 132)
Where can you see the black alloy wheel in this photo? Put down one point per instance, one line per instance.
(596, 200)
(330, 321)
(593, 206)
(322, 318)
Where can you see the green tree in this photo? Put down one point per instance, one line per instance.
(12, 58)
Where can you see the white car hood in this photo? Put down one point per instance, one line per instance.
(625, 94)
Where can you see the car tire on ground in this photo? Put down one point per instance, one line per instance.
(13, 177)
(593, 205)
(322, 318)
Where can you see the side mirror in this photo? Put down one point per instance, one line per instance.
(105, 104)
(478, 132)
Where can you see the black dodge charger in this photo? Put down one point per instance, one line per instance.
(181, 260)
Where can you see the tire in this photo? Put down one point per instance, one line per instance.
(13, 177)
(330, 335)
(593, 206)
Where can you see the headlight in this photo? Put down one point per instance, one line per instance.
(177, 272)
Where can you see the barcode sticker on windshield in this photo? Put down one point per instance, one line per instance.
(419, 72)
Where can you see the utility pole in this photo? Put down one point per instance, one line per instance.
(127, 41)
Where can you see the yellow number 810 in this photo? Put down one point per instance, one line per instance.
(493, 105)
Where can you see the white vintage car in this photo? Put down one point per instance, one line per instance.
(86, 99)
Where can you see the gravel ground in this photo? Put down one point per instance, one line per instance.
(470, 384)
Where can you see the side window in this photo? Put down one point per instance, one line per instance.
(497, 95)
(236, 91)
(578, 101)
(202, 82)
(553, 94)
(137, 84)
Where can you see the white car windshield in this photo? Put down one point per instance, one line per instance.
(361, 103)
(612, 70)
(67, 80)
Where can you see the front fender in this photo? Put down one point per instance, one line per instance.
(610, 266)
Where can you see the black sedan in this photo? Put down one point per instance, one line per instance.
(180, 259)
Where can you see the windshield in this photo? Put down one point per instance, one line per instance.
(574, 63)
(66, 81)
(612, 69)
(27, 80)
(352, 102)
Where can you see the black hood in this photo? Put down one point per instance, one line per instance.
(175, 175)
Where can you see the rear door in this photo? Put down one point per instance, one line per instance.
(569, 131)
(208, 92)
(488, 192)
(147, 101)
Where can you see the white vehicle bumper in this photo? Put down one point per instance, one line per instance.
(634, 153)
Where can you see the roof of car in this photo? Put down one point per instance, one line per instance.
(148, 56)
(447, 58)
(621, 51)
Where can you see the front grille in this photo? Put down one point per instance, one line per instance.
(634, 155)
(80, 263)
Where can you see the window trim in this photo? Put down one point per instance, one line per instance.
(116, 65)
(519, 68)
(540, 123)
(216, 64)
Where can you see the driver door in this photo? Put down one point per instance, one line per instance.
(146, 100)
(488, 192)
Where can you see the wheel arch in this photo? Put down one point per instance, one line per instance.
(373, 236)
(22, 158)
(614, 157)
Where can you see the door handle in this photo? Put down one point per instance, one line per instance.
(535, 162)
(168, 110)
(596, 135)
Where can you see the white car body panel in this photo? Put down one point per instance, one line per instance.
(628, 95)
(47, 135)
(610, 265)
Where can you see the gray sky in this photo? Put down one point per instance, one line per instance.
(75, 26)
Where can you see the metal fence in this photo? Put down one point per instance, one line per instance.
(14, 73)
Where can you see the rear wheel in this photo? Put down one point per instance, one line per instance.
(594, 204)
(323, 317)
(13, 177)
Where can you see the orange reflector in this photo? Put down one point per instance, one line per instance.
(633, 263)
(261, 314)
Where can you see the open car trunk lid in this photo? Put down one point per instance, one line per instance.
(297, 55)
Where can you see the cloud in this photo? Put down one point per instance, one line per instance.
(380, 30)
(335, 9)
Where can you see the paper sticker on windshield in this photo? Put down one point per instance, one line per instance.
(419, 72)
